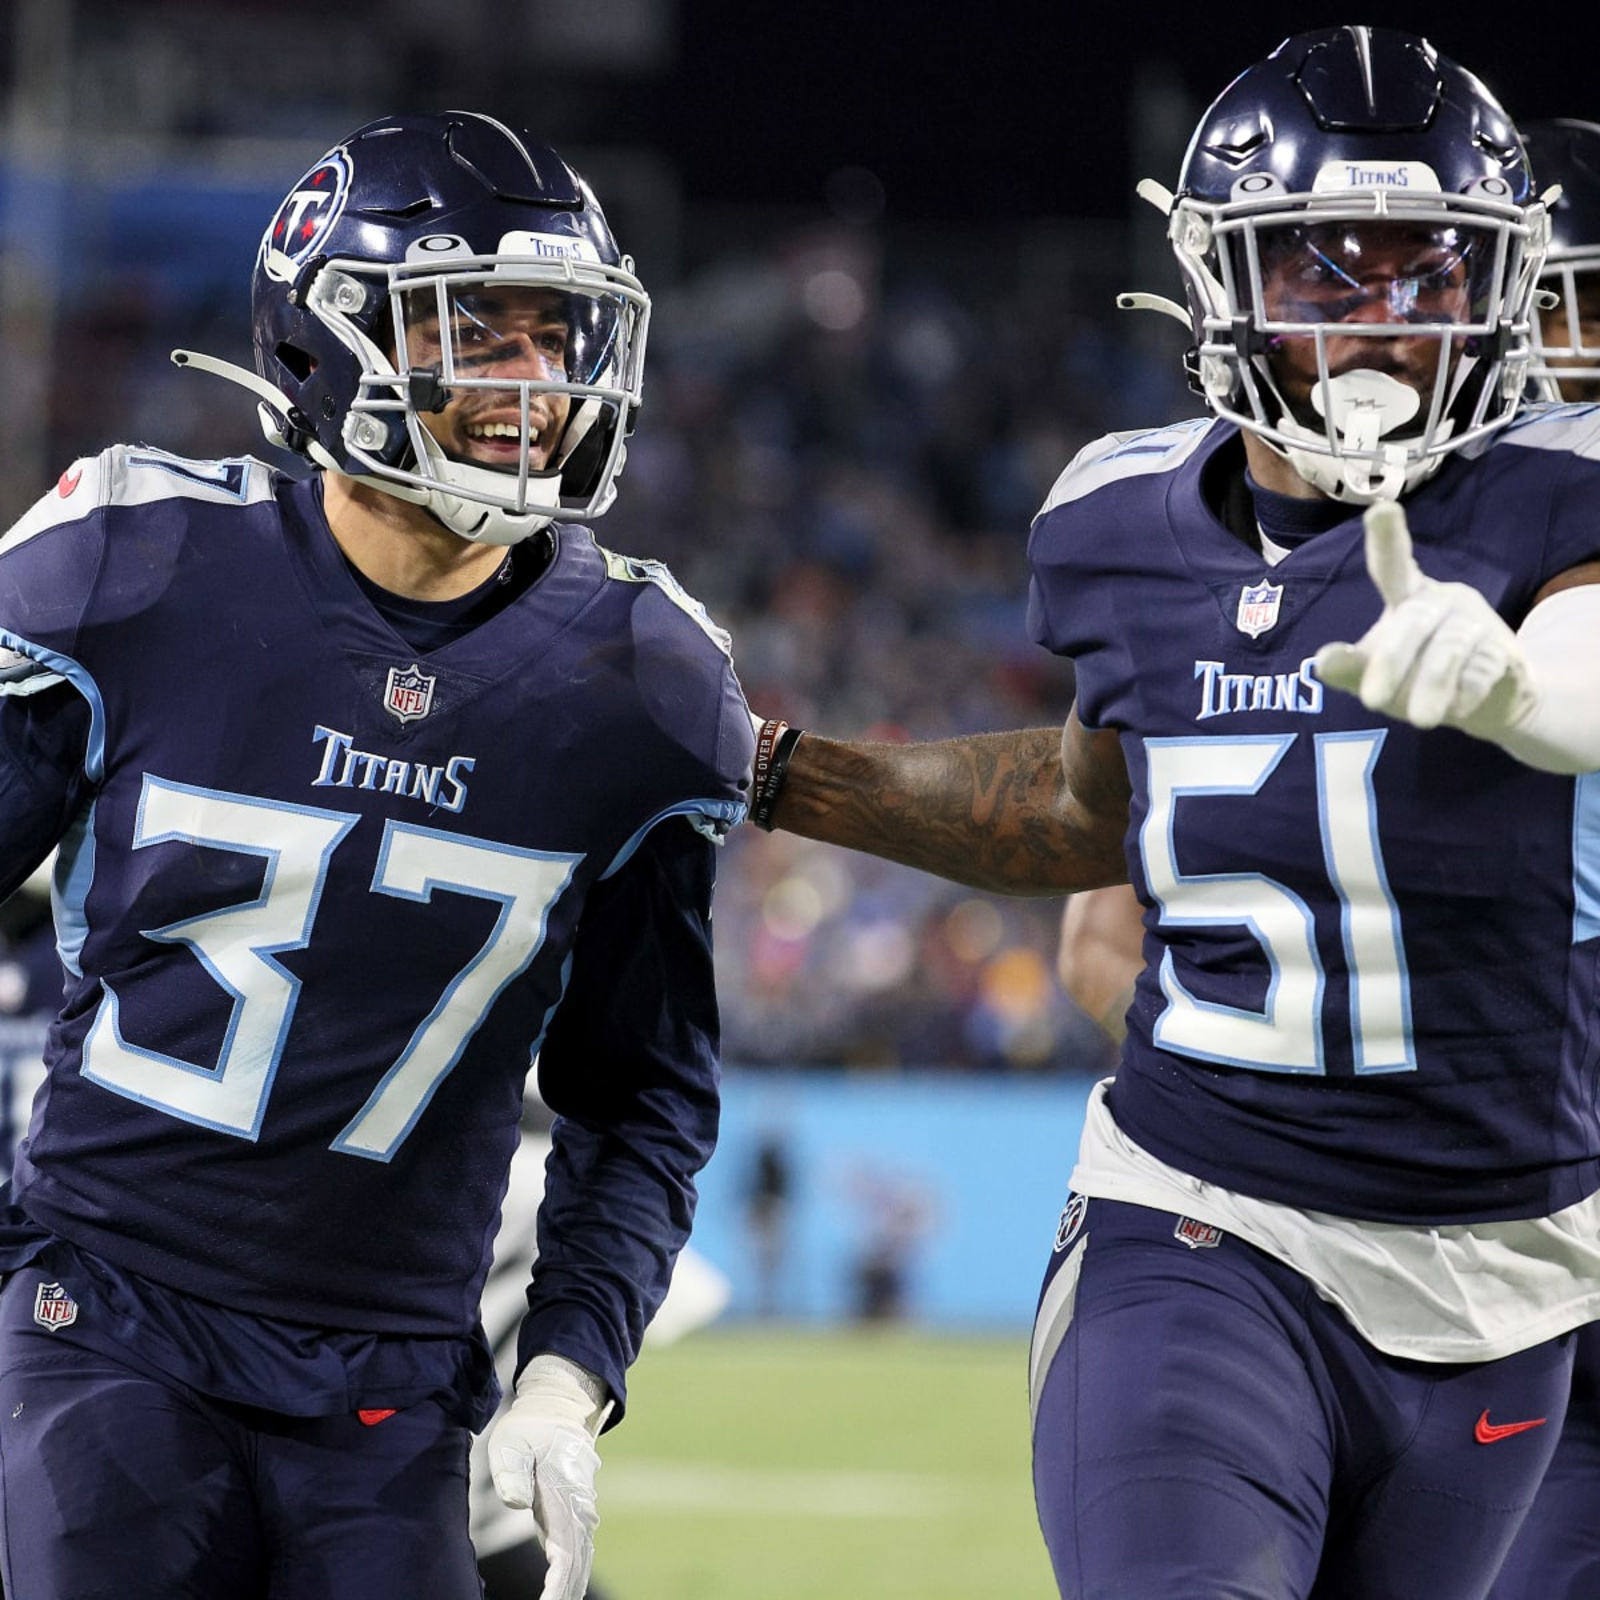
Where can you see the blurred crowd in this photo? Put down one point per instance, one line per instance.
(847, 481)
(842, 446)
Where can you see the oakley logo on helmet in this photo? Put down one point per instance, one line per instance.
(437, 244)
(311, 208)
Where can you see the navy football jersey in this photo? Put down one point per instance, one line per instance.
(1371, 951)
(323, 898)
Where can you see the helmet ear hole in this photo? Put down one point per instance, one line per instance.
(294, 361)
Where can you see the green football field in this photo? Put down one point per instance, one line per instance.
(848, 1464)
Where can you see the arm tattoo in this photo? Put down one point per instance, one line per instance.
(993, 811)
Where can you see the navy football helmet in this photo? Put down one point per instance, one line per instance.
(399, 272)
(1566, 152)
(1353, 190)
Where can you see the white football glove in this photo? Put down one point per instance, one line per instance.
(1439, 653)
(542, 1456)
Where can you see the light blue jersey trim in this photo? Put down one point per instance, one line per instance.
(69, 890)
(1569, 427)
(713, 818)
(1586, 858)
(78, 676)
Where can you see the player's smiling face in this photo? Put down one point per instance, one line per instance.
(499, 338)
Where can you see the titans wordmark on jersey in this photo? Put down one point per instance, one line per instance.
(1374, 950)
(318, 925)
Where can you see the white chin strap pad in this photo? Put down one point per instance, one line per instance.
(478, 520)
(1364, 406)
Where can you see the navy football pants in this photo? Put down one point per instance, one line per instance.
(1209, 1429)
(1557, 1552)
(113, 1483)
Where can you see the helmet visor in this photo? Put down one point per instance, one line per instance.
(506, 333)
(1374, 272)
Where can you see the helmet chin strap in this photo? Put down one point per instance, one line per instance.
(1363, 406)
(475, 519)
(493, 524)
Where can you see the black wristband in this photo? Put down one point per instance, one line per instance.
(774, 745)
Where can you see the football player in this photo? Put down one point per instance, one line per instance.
(368, 787)
(1556, 1555)
(1566, 153)
(1305, 1329)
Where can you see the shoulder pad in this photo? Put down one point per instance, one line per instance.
(78, 491)
(1127, 455)
(137, 475)
(1551, 425)
(637, 569)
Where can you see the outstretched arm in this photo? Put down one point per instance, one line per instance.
(1041, 811)
(1441, 655)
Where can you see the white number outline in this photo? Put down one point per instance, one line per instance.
(1287, 1035)
(1369, 919)
(237, 945)
(412, 863)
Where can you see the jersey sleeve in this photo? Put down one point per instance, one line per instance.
(43, 748)
(46, 574)
(47, 568)
(1076, 543)
(1574, 522)
(688, 688)
(629, 1066)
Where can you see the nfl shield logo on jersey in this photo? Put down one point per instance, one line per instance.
(409, 693)
(53, 1307)
(1258, 608)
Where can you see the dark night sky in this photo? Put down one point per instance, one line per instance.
(998, 110)
(1010, 108)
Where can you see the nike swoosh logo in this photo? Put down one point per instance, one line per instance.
(1487, 1432)
(68, 482)
(372, 1416)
